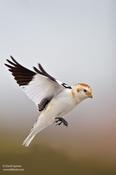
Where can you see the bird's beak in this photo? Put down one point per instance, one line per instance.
(90, 95)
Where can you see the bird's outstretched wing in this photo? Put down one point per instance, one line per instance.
(39, 86)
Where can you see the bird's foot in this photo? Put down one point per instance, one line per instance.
(60, 120)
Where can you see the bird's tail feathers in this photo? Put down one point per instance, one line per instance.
(30, 137)
(41, 124)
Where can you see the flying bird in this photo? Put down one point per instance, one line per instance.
(53, 98)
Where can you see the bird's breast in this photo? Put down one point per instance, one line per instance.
(60, 105)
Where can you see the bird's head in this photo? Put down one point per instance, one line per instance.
(82, 91)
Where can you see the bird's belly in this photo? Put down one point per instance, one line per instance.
(60, 106)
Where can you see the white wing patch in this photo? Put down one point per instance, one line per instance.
(41, 87)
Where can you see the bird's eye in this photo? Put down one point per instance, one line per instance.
(85, 90)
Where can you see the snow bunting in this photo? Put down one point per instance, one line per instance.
(53, 98)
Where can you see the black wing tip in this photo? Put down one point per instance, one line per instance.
(37, 70)
(12, 61)
(11, 57)
(42, 71)
(20, 73)
(15, 66)
(40, 66)
(10, 64)
(7, 65)
(7, 60)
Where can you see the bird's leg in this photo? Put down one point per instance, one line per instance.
(60, 120)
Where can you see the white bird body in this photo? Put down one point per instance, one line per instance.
(53, 98)
(60, 105)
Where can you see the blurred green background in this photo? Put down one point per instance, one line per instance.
(43, 159)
